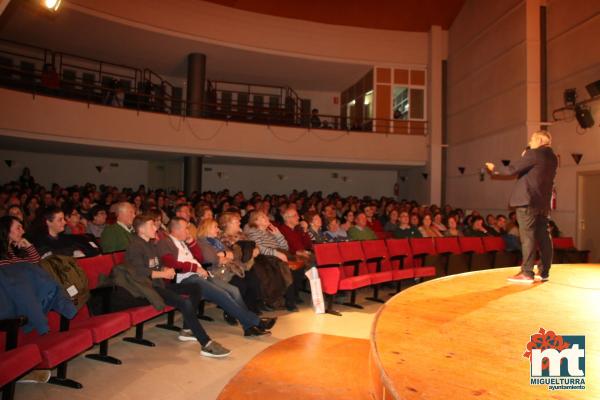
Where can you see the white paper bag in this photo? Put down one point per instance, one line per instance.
(315, 290)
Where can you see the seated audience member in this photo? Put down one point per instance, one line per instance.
(348, 220)
(299, 246)
(490, 221)
(334, 232)
(162, 231)
(372, 220)
(427, 229)
(74, 224)
(392, 221)
(243, 253)
(183, 253)
(275, 277)
(143, 255)
(512, 226)
(116, 237)
(553, 229)
(452, 230)
(184, 211)
(51, 238)
(405, 230)
(499, 226)
(203, 212)
(437, 222)
(14, 247)
(315, 224)
(16, 211)
(415, 220)
(361, 231)
(97, 221)
(476, 229)
(315, 121)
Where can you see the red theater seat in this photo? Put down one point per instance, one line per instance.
(378, 261)
(566, 252)
(455, 262)
(423, 251)
(332, 275)
(400, 253)
(118, 257)
(103, 327)
(496, 247)
(478, 258)
(96, 266)
(352, 254)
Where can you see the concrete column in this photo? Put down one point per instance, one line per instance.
(434, 114)
(196, 84)
(192, 174)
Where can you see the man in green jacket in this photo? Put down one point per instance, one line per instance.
(361, 231)
(116, 237)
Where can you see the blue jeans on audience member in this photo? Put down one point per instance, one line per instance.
(227, 297)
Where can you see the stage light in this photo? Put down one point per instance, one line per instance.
(584, 116)
(52, 5)
(570, 97)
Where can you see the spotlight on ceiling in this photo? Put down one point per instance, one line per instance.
(52, 5)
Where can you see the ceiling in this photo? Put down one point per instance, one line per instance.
(77, 33)
(75, 149)
(402, 15)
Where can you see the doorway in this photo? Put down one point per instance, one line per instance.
(588, 220)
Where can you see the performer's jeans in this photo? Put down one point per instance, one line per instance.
(533, 229)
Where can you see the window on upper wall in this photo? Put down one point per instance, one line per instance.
(400, 103)
(368, 106)
(417, 103)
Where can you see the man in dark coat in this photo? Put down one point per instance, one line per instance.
(535, 172)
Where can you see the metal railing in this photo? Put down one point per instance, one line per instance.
(102, 82)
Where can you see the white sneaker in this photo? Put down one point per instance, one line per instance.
(214, 350)
(186, 335)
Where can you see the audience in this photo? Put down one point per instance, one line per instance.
(116, 237)
(405, 230)
(361, 231)
(452, 230)
(335, 232)
(275, 277)
(476, 228)
(427, 229)
(74, 224)
(392, 221)
(95, 226)
(143, 255)
(14, 247)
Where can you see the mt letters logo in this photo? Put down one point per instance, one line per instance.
(556, 361)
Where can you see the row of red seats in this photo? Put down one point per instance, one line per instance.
(348, 266)
(22, 352)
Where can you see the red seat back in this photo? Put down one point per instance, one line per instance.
(383, 235)
(118, 257)
(399, 247)
(327, 254)
(471, 244)
(352, 251)
(422, 246)
(375, 249)
(447, 245)
(493, 243)
(563, 243)
(96, 266)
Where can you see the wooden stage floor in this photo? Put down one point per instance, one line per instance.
(464, 336)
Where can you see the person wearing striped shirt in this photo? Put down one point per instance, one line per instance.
(14, 247)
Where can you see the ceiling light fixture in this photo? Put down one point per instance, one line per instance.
(52, 5)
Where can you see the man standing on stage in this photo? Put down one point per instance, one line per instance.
(535, 172)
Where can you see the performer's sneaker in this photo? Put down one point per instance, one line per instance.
(521, 278)
(541, 278)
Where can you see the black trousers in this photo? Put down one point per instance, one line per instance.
(172, 295)
(249, 287)
(533, 230)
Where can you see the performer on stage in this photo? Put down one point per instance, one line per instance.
(535, 172)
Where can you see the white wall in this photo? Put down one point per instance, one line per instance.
(282, 180)
(67, 170)
(573, 62)
(489, 98)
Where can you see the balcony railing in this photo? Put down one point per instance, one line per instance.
(100, 82)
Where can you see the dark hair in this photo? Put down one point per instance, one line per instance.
(141, 220)
(173, 221)
(95, 211)
(6, 223)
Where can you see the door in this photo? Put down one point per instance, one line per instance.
(588, 225)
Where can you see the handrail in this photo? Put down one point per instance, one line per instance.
(160, 101)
